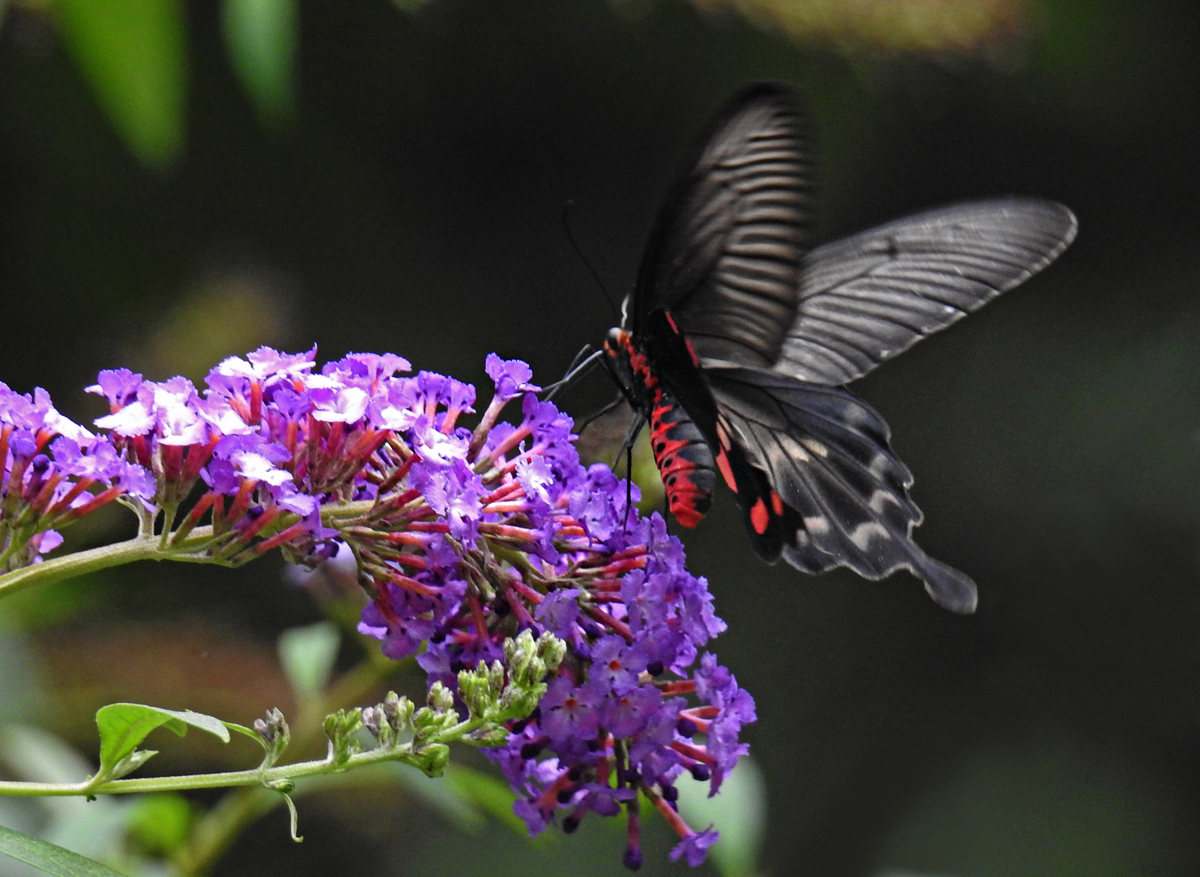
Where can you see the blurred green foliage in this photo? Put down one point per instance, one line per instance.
(132, 53)
(261, 36)
(949, 26)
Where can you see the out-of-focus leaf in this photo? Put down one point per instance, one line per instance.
(222, 314)
(896, 25)
(50, 858)
(489, 793)
(123, 726)
(132, 53)
(20, 675)
(260, 36)
(37, 755)
(160, 823)
(739, 813)
(96, 829)
(464, 795)
(453, 800)
(307, 655)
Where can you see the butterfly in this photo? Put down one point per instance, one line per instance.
(738, 338)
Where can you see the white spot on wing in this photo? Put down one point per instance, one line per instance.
(880, 498)
(863, 534)
(854, 415)
(815, 446)
(817, 525)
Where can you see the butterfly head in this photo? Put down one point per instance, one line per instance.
(619, 349)
(629, 367)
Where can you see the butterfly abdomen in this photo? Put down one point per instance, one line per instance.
(683, 457)
(681, 453)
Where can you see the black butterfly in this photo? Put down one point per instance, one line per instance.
(738, 339)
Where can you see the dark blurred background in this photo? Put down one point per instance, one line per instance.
(409, 199)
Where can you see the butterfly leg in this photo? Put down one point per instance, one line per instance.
(591, 418)
(627, 449)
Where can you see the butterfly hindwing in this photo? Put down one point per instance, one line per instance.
(725, 254)
(865, 298)
(820, 484)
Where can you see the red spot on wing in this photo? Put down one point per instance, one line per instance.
(777, 504)
(726, 471)
(759, 516)
(686, 341)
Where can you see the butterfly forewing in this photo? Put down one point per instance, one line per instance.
(725, 255)
(870, 296)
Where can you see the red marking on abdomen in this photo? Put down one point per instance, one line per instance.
(681, 453)
(683, 458)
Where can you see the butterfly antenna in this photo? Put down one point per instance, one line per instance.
(584, 360)
(566, 224)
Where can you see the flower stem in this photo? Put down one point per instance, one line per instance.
(253, 777)
(83, 562)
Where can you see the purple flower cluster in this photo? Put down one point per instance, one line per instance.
(526, 538)
(463, 538)
(50, 466)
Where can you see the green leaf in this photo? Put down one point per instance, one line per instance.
(248, 732)
(307, 655)
(261, 37)
(123, 726)
(50, 858)
(738, 812)
(129, 764)
(132, 53)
